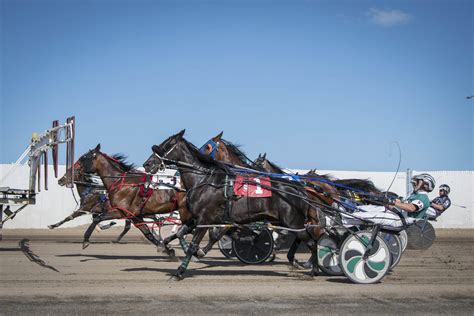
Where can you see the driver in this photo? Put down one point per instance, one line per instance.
(441, 203)
(415, 205)
(418, 202)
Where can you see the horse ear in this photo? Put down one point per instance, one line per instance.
(264, 156)
(259, 156)
(154, 148)
(97, 148)
(180, 134)
(218, 137)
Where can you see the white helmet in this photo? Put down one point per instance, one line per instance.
(445, 187)
(427, 179)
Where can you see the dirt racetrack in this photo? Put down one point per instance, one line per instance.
(132, 278)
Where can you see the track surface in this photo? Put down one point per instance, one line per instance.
(133, 278)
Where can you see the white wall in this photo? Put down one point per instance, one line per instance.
(56, 203)
(51, 206)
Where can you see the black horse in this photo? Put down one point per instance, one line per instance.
(206, 182)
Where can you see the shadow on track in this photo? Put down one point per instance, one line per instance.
(9, 249)
(115, 257)
(25, 248)
(199, 273)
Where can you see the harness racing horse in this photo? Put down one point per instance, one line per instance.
(206, 182)
(128, 196)
(92, 198)
(223, 150)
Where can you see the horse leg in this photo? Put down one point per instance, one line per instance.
(292, 251)
(312, 245)
(128, 224)
(213, 238)
(75, 214)
(96, 219)
(182, 231)
(153, 238)
(192, 249)
(315, 234)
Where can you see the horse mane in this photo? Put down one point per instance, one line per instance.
(121, 161)
(364, 185)
(326, 176)
(235, 149)
(275, 166)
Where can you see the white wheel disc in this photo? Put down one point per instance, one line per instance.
(364, 270)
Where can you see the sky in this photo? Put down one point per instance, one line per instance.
(315, 84)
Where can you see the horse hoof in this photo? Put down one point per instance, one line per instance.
(169, 252)
(51, 226)
(307, 265)
(161, 247)
(174, 258)
(85, 245)
(296, 266)
(200, 253)
(194, 259)
(272, 257)
(175, 278)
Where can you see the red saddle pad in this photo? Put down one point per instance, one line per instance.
(252, 187)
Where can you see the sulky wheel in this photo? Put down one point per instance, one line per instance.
(361, 268)
(225, 246)
(395, 246)
(328, 255)
(404, 239)
(421, 235)
(253, 246)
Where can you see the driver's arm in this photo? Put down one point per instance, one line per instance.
(407, 207)
(438, 207)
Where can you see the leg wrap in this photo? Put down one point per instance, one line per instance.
(184, 244)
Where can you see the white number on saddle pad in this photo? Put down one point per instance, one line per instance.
(165, 182)
(259, 187)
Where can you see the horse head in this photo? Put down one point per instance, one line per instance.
(166, 150)
(87, 162)
(214, 147)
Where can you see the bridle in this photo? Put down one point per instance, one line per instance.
(162, 165)
(211, 146)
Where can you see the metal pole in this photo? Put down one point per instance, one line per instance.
(408, 182)
(1, 222)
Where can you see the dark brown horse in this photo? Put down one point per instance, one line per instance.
(223, 150)
(206, 182)
(128, 195)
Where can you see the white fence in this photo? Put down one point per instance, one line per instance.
(57, 203)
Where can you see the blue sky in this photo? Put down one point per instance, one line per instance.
(315, 84)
